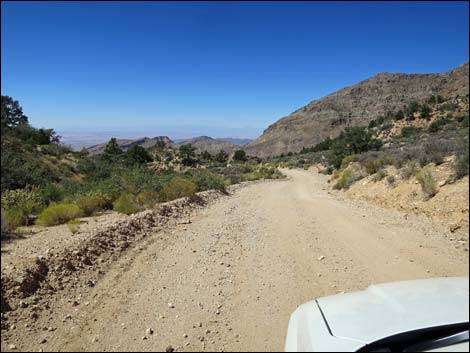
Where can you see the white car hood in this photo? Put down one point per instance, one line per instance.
(392, 308)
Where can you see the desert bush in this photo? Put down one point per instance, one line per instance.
(411, 109)
(205, 180)
(391, 179)
(373, 166)
(427, 181)
(399, 115)
(463, 119)
(408, 131)
(19, 204)
(73, 225)
(52, 192)
(386, 126)
(435, 99)
(410, 168)
(178, 187)
(344, 181)
(350, 175)
(448, 106)
(461, 164)
(437, 124)
(425, 112)
(346, 160)
(92, 202)
(127, 204)
(336, 173)
(434, 151)
(148, 199)
(381, 173)
(58, 214)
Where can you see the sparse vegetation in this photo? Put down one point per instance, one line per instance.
(427, 181)
(381, 173)
(391, 180)
(461, 164)
(70, 184)
(59, 213)
(409, 169)
(408, 131)
(19, 204)
(178, 187)
(127, 204)
(90, 203)
(73, 225)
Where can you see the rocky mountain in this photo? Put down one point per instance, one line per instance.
(211, 145)
(355, 105)
(145, 142)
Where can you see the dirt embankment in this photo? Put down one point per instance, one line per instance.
(448, 207)
(227, 276)
(44, 261)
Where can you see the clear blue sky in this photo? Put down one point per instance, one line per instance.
(142, 65)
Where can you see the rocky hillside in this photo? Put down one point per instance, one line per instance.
(211, 145)
(125, 144)
(355, 105)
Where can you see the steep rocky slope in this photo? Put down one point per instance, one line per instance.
(355, 105)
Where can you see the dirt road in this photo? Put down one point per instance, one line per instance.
(229, 278)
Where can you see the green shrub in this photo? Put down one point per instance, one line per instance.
(381, 173)
(58, 214)
(386, 126)
(353, 140)
(344, 181)
(137, 155)
(205, 180)
(435, 99)
(448, 106)
(408, 131)
(148, 199)
(426, 179)
(399, 115)
(178, 187)
(461, 164)
(336, 173)
(437, 124)
(463, 119)
(73, 225)
(373, 166)
(93, 202)
(434, 151)
(127, 204)
(240, 156)
(409, 169)
(346, 160)
(187, 154)
(412, 108)
(425, 112)
(19, 204)
(52, 193)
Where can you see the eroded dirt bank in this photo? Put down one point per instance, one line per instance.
(227, 277)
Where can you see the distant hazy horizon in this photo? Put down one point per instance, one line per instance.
(79, 138)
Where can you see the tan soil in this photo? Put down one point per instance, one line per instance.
(230, 278)
(448, 207)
